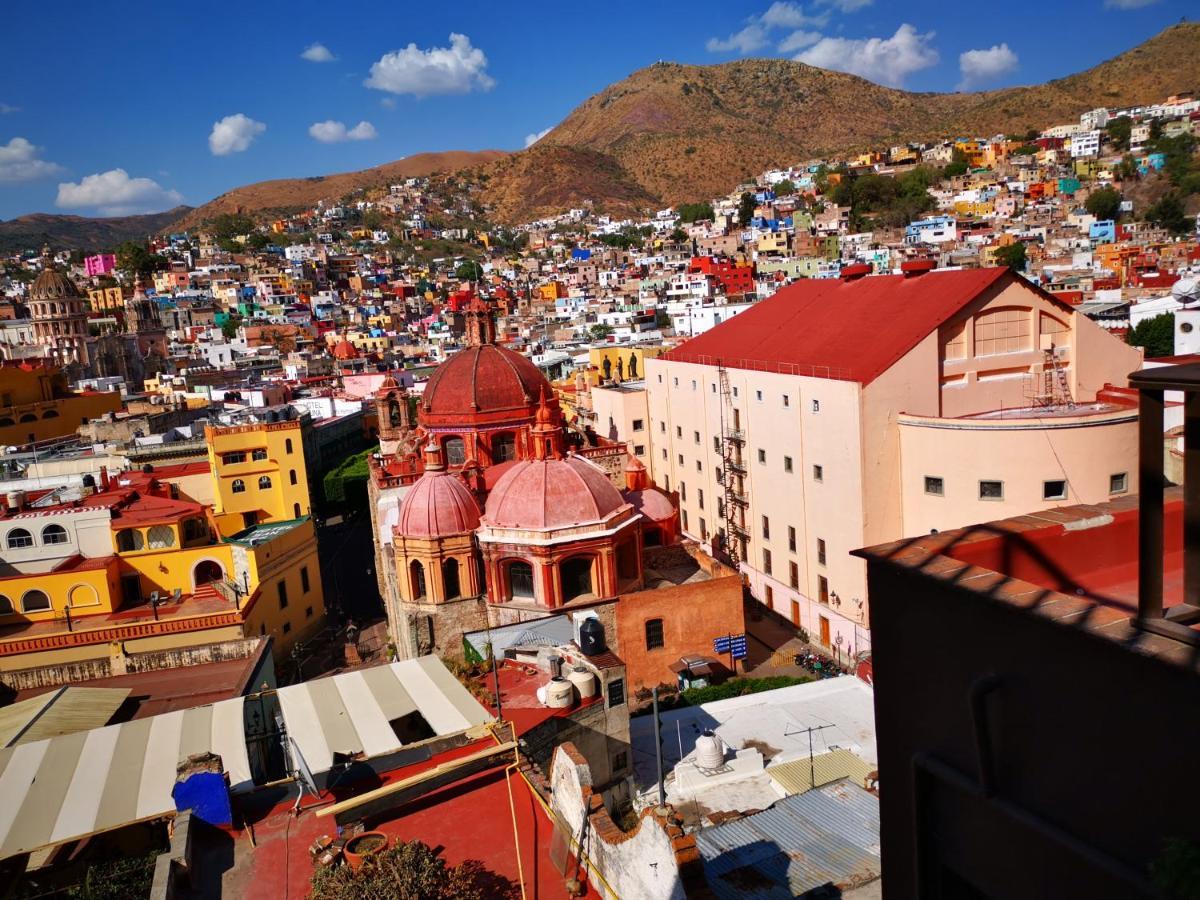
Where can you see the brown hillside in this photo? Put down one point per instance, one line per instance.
(294, 193)
(685, 133)
(82, 232)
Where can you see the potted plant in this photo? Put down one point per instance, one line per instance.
(363, 846)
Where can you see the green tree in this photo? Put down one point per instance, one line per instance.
(1013, 256)
(1169, 213)
(469, 270)
(257, 241)
(600, 331)
(785, 187)
(1156, 336)
(1104, 203)
(695, 212)
(957, 166)
(229, 328)
(135, 259)
(1118, 130)
(678, 236)
(746, 208)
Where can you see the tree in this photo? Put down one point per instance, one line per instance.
(1169, 213)
(785, 187)
(958, 164)
(600, 331)
(1119, 130)
(695, 212)
(229, 328)
(1155, 335)
(469, 270)
(678, 236)
(1104, 203)
(746, 208)
(257, 241)
(1012, 255)
(135, 259)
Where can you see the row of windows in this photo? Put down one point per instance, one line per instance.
(1052, 489)
(20, 538)
(28, 417)
(258, 455)
(31, 601)
(305, 586)
(264, 482)
(787, 399)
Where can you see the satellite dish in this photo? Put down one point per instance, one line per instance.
(1186, 290)
(301, 771)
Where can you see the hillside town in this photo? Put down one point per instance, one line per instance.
(621, 555)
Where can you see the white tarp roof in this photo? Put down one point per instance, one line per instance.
(352, 713)
(73, 785)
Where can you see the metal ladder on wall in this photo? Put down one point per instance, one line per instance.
(733, 473)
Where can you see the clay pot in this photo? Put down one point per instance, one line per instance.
(363, 846)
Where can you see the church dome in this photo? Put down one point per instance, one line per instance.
(437, 505)
(543, 494)
(52, 284)
(345, 350)
(653, 504)
(483, 379)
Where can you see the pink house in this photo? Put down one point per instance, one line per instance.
(100, 264)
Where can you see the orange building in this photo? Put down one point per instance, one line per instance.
(37, 405)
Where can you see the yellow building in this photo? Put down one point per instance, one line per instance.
(137, 565)
(619, 364)
(37, 405)
(108, 300)
(259, 474)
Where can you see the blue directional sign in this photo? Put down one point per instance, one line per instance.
(734, 645)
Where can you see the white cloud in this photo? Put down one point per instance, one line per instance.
(846, 6)
(317, 53)
(333, 132)
(19, 162)
(798, 40)
(531, 139)
(233, 134)
(982, 66)
(114, 193)
(6, 108)
(757, 33)
(457, 69)
(884, 60)
(1128, 4)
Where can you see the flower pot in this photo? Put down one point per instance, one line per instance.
(363, 846)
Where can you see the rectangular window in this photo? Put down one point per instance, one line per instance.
(822, 589)
(308, 612)
(304, 585)
(616, 692)
(664, 452)
(639, 450)
(638, 425)
(766, 561)
(230, 459)
(758, 395)
(685, 524)
(620, 761)
(703, 530)
(935, 485)
(787, 464)
(794, 575)
(662, 427)
(991, 490)
(693, 384)
(821, 551)
(770, 596)
(816, 406)
(699, 466)
(818, 473)
(683, 490)
(766, 528)
(719, 475)
(716, 444)
(792, 538)
(762, 456)
(654, 634)
(680, 458)
(700, 498)
(678, 431)
(1054, 490)
(696, 436)
(287, 627)
(258, 455)
(283, 601)
(787, 401)
(1119, 483)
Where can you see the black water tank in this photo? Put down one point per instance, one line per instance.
(591, 637)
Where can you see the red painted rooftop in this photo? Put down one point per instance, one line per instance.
(483, 379)
(851, 329)
(551, 493)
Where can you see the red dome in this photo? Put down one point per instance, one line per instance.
(437, 505)
(653, 504)
(483, 379)
(345, 350)
(551, 493)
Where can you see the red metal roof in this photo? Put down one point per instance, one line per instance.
(847, 329)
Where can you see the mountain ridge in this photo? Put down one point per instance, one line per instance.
(85, 233)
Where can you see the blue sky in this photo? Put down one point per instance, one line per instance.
(130, 106)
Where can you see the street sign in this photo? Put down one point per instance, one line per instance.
(733, 644)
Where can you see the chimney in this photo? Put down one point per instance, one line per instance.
(914, 268)
(855, 271)
(104, 483)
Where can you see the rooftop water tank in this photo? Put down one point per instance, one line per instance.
(560, 693)
(591, 637)
(584, 681)
(710, 751)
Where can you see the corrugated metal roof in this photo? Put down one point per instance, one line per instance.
(551, 631)
(799, 776)
(56, 712)
(827, 835)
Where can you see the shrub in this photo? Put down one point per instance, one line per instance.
(411, 871)
(737, 687)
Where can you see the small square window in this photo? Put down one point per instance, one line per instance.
(638, 425)
(1119, 483)
(762, 455)
(616, 692)
(1054, 490)
(639, 450)
(818, 473)
(787, 464)
(991, 490)
(935, 485)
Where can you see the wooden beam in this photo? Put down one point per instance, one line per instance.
(454, 769)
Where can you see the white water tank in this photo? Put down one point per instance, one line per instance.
(560, 693)
(584, 681)
(710, 751)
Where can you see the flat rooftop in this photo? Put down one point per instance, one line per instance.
(1057, 410)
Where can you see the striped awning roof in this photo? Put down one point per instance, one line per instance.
(60, 711)
(74, 785)
(801, 775)
(352, 713)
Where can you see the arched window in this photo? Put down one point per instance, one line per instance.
(29, 417)
(54, 534)
(504, 447)
(1005, 330)
(50, 414)
(259, 454)
(296, 511)
(450, 579)
(239, 486)
(161, 537)
(520, 581)
(287, 445)
(19, 538)
(292, 476)
(264, 482)
(83, 595)
(129, 539)
(6, 606)
(5, 422)
(35, 601)
(455, 450)
(576, 574)
(417, 579)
